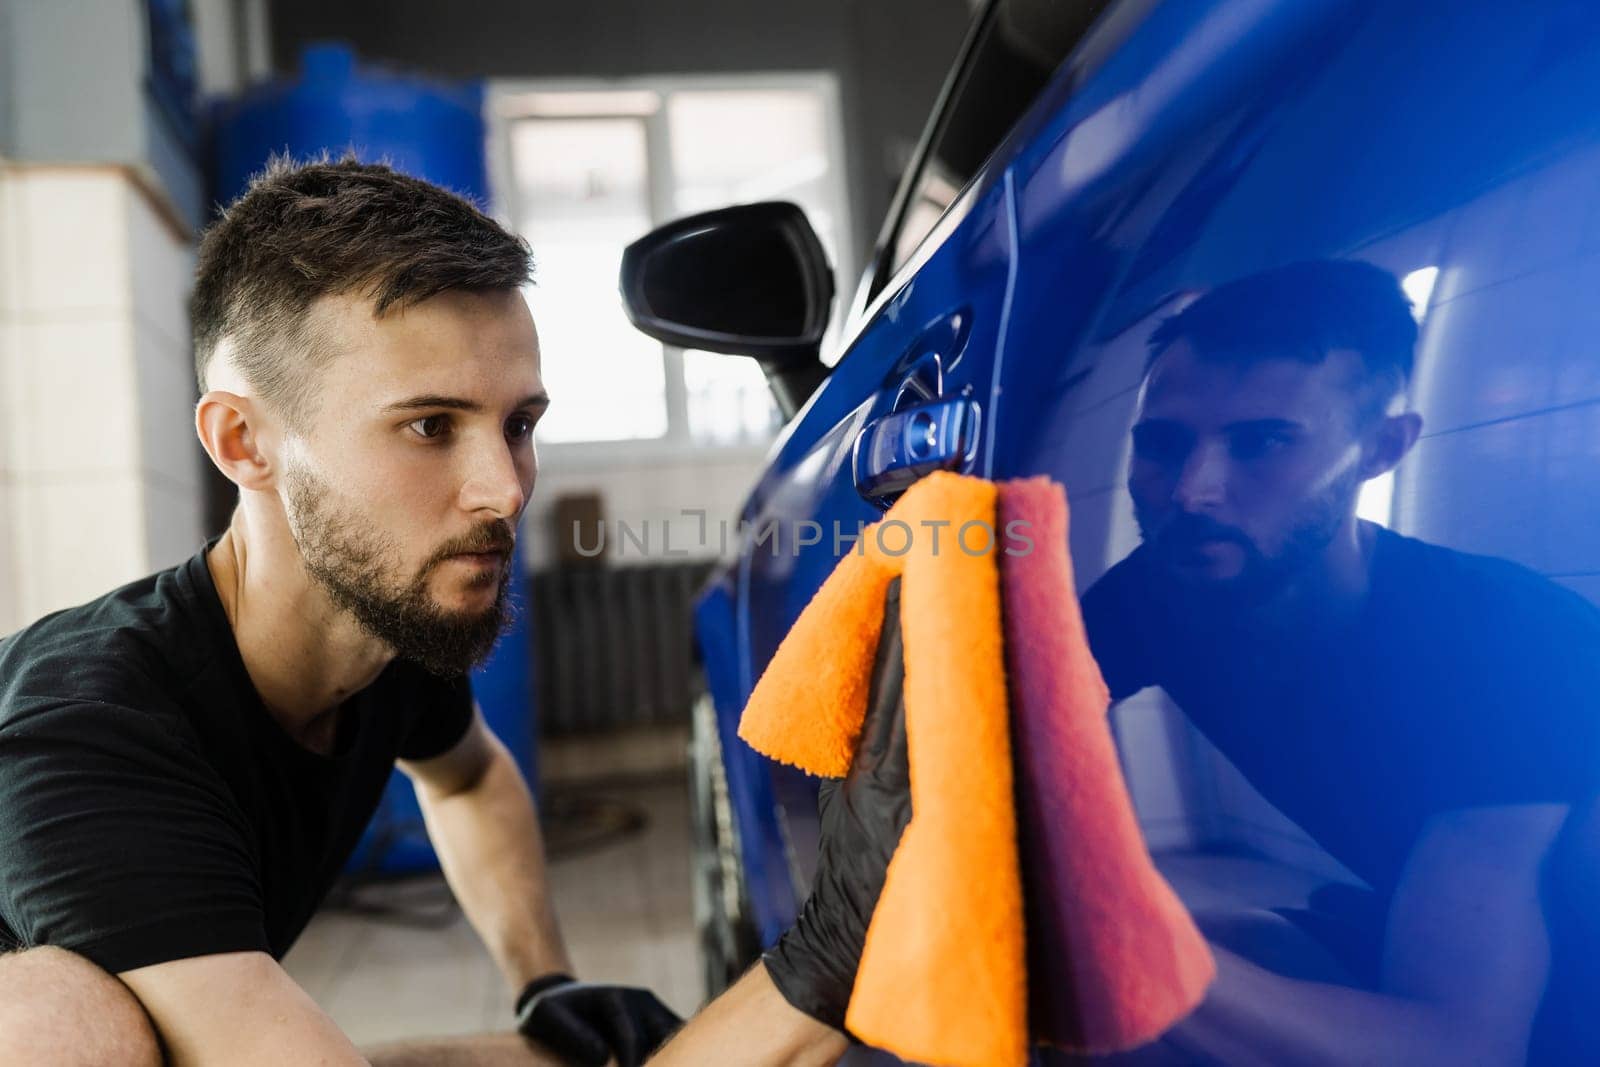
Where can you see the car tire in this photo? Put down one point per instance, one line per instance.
(727, 936)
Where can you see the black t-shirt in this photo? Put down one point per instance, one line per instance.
(1467, 681)
(151, 809)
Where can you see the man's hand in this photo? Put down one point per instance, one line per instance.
(814, 963)
(789, 1009)
(590, 1023)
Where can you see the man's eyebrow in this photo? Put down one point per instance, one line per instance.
(435, 401)
(1265, 424)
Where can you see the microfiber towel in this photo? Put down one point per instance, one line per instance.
(941, 978)
(944, 977)
(1114, 959)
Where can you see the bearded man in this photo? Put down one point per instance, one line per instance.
(187, 762)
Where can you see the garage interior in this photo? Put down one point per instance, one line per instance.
(1275, 316)
(602, 119)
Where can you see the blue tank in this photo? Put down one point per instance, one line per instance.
(433, 131)
(425, 128)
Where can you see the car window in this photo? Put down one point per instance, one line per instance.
(1016, 47)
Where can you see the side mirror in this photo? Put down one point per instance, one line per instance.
(750, 280)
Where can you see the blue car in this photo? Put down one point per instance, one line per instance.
(1300, 302)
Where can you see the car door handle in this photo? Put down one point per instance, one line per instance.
(896, 449)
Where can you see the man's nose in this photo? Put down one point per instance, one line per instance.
(494, 483)
(1203, 482)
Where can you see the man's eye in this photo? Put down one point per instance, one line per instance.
(1160, 444)
(519, 427)
(432, 427)
(1257, 443)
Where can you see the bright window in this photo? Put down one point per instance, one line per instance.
(584, 171)
(582, 193)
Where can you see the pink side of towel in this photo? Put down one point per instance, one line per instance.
(1114, 959)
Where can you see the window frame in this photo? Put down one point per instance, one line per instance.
(881, 274)
(876, 278)
(500, 117)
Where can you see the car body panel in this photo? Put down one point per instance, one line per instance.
(1183, 145)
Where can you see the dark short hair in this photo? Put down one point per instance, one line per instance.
(1304, 311)
(323, 228)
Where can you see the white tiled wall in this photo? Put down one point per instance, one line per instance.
(99, 468)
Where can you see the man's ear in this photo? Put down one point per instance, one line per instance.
(228, 426)
(1389, 442)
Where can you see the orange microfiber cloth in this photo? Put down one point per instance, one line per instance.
(944, 975)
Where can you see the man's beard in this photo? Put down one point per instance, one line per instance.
(1261, 578)
(354, 566)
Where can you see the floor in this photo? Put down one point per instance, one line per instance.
(400, 961)
(623, 898)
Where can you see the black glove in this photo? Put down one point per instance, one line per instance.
(588, 1023)
(862, 816)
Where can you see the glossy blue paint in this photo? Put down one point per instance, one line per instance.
(1185, 144)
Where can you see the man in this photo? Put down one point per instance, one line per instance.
(1428, 717)
(187, 762)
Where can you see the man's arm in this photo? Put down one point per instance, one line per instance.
(481, 820)
(1465, 960)
(237, 1008)
(753, 1024)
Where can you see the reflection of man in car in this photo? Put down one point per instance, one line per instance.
(1428, 717)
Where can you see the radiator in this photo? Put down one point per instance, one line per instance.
(613, 645)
